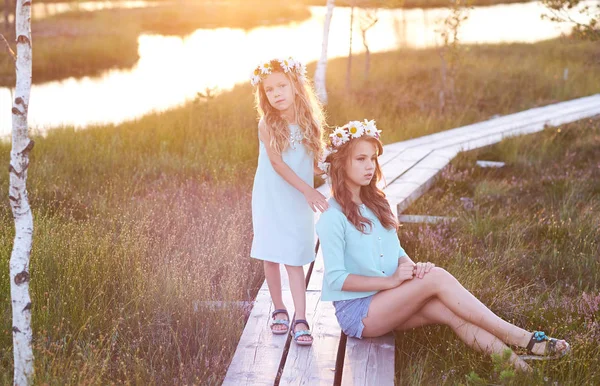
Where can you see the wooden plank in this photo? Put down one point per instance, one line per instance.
(489, 164)
(433, 161)
(418, 175)
(490, 138)
(508, 123)
(420, 219)
(393, 170)
(259, 351)
(314, 365)
(369, 361)
(400, 189)
(517, 121)
(316, 278)
(541, 115)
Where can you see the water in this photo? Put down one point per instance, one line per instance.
(43, 10)
(171, 70)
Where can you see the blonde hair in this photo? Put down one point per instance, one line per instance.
(309, 114)
(371, 195)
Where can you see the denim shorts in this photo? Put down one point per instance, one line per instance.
(350, 314)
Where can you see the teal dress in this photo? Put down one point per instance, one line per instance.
(282, 220)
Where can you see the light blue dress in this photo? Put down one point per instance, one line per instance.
(282, 220)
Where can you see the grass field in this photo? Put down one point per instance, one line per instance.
(134, 223)
(528, 246)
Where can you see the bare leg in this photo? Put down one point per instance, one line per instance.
(435, 312)
(298, 288)
(394, 307)
(273, 278)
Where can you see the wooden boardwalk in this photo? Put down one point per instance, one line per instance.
(409, 168)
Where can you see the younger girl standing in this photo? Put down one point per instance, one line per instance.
(283, 196)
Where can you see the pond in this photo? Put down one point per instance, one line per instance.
(171, 70)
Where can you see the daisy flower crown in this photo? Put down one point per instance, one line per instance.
(287, 65)
(342, 135)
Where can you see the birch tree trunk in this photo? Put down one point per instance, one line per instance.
(349, 67)
(19, 162)
(322, 64)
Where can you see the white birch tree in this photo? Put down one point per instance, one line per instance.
(19, 162)
(322, 64)
(349, 65)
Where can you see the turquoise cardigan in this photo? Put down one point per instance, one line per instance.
(346, 250)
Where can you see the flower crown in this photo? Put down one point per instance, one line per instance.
(342, 135)
(287, 65)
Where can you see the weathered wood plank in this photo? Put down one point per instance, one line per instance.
(258, 354)
(420, 219)
(372, 361)
(369, 361)
(489, 164)
(316, 278)
(314, 365)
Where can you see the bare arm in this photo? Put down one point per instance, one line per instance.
(315, 199)
(359, 283)
(405, 259)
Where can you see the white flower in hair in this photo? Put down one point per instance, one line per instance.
(324, 166)
(301, 70)
(371, 129)
(254, 79)
(355, 129)
(265, 68)
(327, 151)
(339, 136)
(287, 64)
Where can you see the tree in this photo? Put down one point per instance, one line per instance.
(449, 51)
(321, 70)
(19, 163)
(349, 66)
(368, 19)
(586, 25)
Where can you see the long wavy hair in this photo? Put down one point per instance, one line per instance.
(309, 114)
(371, 195)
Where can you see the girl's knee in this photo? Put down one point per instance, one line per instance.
(438, 273)
(270, 264)
(435, 278)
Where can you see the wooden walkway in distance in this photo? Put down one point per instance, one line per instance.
(409, 168)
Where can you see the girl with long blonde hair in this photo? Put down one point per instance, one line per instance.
(283, 197)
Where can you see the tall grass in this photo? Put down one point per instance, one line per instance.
(118, 295)
(530, 250)
(136, 223)
(401, 91)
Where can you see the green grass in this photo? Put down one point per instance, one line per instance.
(528, 248)
(402, 90)
(88, 43)
(135, 222)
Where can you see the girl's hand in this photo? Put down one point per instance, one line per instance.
(421, 269)
(316, 200)
(318, 171)
(405, 271)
